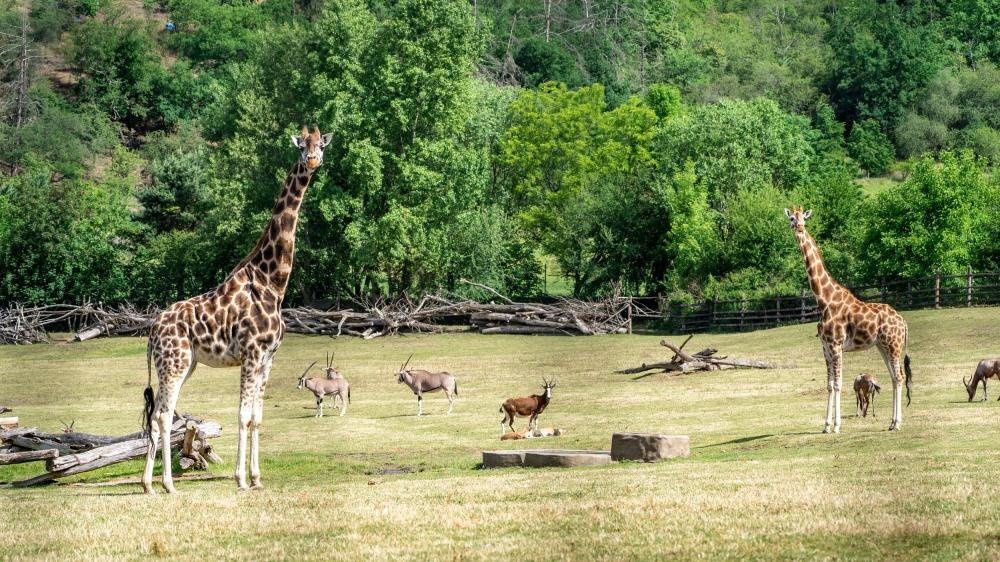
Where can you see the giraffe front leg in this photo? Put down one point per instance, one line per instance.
(836, 365)
(245, 418)
(255, 423)
(828, 427)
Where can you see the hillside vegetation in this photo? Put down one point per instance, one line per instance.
(761, 482)
(647, 143)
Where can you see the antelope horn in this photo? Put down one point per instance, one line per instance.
(403, 366)
(307, 369)
(965, 383)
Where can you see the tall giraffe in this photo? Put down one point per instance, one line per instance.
(850, 324)
(237, 323)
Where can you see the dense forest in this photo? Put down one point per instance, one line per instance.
(650, 143)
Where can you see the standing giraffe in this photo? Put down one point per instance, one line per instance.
(850, 324)
(237, 323)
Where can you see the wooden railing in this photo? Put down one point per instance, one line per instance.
(936, 291)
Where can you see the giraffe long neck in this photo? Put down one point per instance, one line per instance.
(272, 257)
(822, 283)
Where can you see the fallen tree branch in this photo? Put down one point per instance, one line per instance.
(704, 360)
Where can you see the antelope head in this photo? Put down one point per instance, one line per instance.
(969, 388)
(331, 371)
(548, 386)
(403, 374)
(302, 378)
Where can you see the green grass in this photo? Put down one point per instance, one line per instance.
(874, 185)
(762, 481)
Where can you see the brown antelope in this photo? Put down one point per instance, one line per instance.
(865, 389)
(426, 381)
(326, 387)
(987, 368)
(526, 406)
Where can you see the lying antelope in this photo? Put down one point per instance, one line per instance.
(426, 381)
(865, 389)
(987, 368)
(526, 406)
(326, 387)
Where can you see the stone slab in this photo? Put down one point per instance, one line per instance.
(536, 458)
(648, 447)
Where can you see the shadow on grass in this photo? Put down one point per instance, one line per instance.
(755, 438)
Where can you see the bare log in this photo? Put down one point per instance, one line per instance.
(28, 456)
(111, 454)
(8, 423)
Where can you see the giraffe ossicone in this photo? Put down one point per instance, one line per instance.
(849, 324)
(238, 323)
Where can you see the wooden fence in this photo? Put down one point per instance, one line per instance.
(936, 291)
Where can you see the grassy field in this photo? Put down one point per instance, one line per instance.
(762, 481)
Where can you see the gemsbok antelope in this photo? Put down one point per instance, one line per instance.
(526, 406)
(987, 368)
(426, 381)
(333, 373)
(326, 387)
(865, 389)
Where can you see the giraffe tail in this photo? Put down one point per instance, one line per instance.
(909, 376)
(147, 410)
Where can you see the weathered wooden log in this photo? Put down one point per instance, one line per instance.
(8, 423)
(28, 456)
(33, 443)
(8, 434)
(111, 454)
(523, 330)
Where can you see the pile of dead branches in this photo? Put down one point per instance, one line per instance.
(368, 319)
(26, 325)
(704, 360)
(72, 452)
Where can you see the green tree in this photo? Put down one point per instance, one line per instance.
(934, 221)
(870, 148)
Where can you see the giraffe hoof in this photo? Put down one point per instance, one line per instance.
(256, 486)
(170, 489)
(148, 489)
(826, 429)
(836, 429)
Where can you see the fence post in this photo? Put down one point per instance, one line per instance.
(630, 315)
(968, 288)
(909, 291)
(777, 310)
(711, 323)
(937, 288)
(743, 308)
(802, 307)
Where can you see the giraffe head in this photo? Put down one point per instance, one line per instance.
(798, 218)
(312, 145)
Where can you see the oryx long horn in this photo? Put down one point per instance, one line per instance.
(328, 359)
(403, 366)
(311, 365)
(965, 383)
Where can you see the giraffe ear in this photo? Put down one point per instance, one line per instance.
(808, 214)
(788, 213)
(297, 142)
(325, 139)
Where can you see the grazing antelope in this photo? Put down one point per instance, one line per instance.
(526, 406)
(426, 381)
(865, 389)
(326, 387)
(987, 368)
